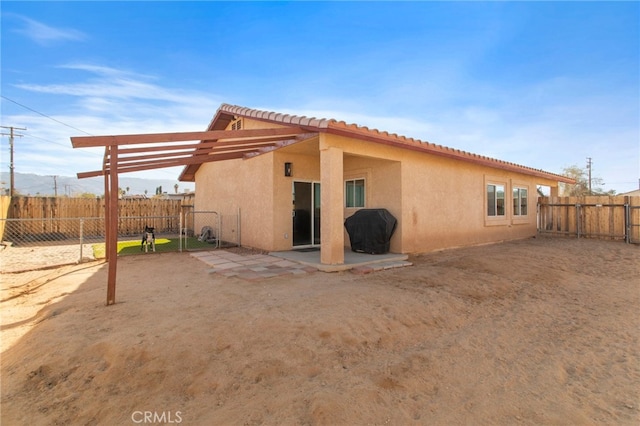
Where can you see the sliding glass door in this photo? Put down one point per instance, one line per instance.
(306, 214)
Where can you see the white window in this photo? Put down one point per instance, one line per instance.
(354, 193)
(495, 200)
(519, 201)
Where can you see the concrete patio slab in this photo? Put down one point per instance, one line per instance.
(251, 267)
(255, 267)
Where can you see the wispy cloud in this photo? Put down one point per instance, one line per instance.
(550, 125)
(44, 34)
(116, 99)
(105, 88)
(108, 101)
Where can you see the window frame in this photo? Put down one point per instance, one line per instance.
(364, 193)
(517, 201)
(496, 205)
(496, 219)
(521, 218)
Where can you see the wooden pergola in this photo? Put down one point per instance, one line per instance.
(139, 152)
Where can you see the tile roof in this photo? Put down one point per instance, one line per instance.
(374, 135)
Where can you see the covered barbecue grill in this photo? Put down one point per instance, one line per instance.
(370, 230)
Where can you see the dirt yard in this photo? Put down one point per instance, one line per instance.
(539, 331)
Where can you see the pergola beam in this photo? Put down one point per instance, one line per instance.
(150, 165)
(93, 141)
(200, 159)
(211, 151)
(201, 145)
(281, 144)
(125, 160)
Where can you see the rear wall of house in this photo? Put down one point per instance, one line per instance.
(383, 189)
(439, 202)
(227, 186)
(446, 205)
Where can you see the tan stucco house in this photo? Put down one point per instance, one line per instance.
(295, 189)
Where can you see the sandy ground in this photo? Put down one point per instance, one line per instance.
(539, 331)
(19, 259)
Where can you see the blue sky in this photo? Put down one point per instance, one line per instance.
(543, 84)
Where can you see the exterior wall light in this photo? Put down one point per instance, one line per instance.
(287, 169)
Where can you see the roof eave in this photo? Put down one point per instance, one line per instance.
(342, 129)
(227, 112)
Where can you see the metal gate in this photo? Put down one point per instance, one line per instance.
(210, 229)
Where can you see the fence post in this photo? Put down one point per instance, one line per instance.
(193, 221)
(219, 230)
(578, 221)
(627, 220)
(180, 234)
(81, 238)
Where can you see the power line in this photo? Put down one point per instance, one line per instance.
(60, 122)
(31, 135)
(45, 115)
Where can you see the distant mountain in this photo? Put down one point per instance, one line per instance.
(32, 184)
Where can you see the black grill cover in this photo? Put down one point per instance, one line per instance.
(370, 230)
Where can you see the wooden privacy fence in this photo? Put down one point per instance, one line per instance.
(606, 217)
(4, 211)
(52, 215)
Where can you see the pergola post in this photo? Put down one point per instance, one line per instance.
(112, 227)
(107, 200)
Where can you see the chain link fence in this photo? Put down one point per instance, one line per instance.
(213, 228)
(31, 244)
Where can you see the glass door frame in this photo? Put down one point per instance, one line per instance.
(314, 218)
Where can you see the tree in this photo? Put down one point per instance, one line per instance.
(581, 186)
(87, 195)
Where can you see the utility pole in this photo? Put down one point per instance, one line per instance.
(55, 186)
(589, 163)
(11, 135)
